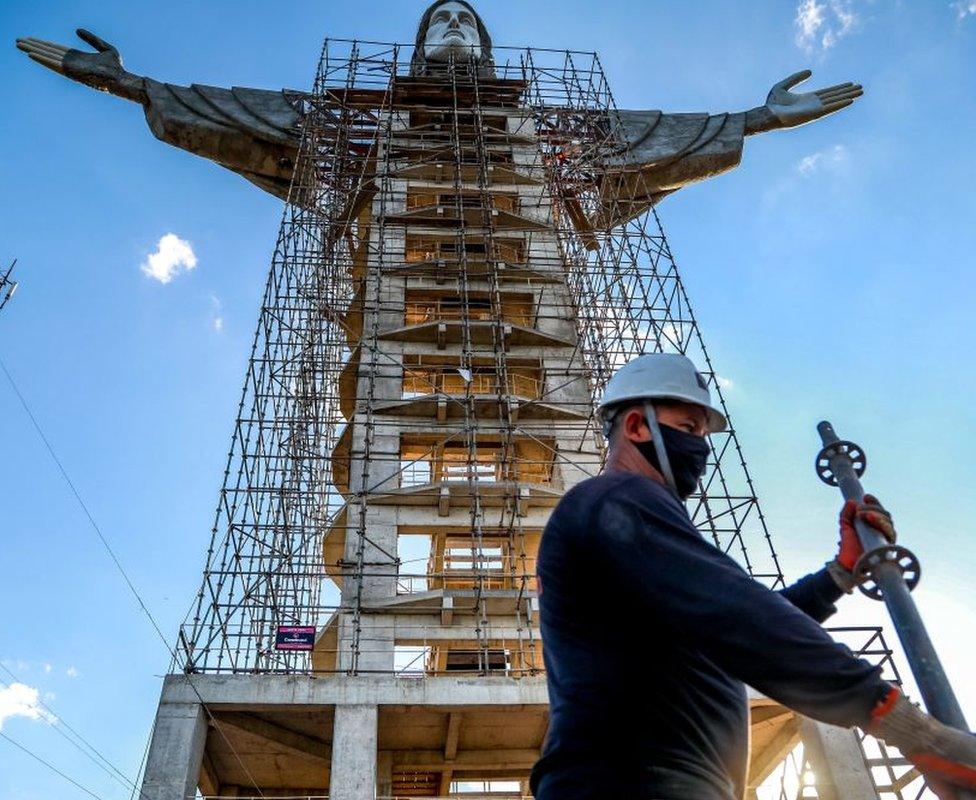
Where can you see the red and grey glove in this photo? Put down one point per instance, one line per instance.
(945, 756)
(849, 547)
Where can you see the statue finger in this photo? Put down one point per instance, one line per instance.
(51, 63)
(839, 98)
(794, 79)
(40, 44)
(830, 108)
(95, 41)
(834, 88)
(848, 90)
(47, 49)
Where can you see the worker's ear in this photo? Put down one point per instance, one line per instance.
(635, 426)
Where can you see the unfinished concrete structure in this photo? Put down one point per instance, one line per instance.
(463, 262)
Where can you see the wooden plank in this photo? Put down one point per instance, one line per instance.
(763, 762)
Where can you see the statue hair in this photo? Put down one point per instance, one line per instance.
(419, 64)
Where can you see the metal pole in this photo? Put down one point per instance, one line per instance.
(7, 286)
(841, 463)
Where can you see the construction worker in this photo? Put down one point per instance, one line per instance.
(650, 633)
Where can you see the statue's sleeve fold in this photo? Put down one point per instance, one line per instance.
(253, 132)
(659, 153)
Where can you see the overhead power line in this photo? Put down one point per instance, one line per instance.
(118, 564)
(88, 514)
(92, 752)
(50, 766)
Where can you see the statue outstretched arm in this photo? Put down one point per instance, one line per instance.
(660, 153)
(253, 132)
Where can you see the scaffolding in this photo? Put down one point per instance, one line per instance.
(459, 271)
(461, 266)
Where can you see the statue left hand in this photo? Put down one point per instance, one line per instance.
(101, 70)
(797, 108)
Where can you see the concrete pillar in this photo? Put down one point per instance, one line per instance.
(353, 774)
(837, 761)
(176, 752)
(384, 774)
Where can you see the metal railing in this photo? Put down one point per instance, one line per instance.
(419, 382)
(893, 776)
(460, 468)
(420, 313)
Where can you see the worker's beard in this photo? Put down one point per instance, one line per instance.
(687, 455)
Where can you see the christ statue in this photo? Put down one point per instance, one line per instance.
(256, 132)
(462, 266)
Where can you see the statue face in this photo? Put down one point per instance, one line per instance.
(453, 30)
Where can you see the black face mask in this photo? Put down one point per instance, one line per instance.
(687, 454)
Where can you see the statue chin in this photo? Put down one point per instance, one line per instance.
(442, 51)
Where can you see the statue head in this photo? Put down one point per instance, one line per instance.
(450, 28)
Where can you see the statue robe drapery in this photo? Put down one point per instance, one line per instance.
(664, 152)
(256, 133)
(253, 132)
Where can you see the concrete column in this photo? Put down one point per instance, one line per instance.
(384, 774)
(837, 761)
(176, 752)
(353, 774)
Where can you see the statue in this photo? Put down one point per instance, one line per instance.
(256, 132)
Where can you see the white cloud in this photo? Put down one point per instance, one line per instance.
(173, 255)
(964, 8)
(820, 25)
(808, 22)
(217, 319)
(832, 159)
(21, 700)
(723, 383)
(71, 672)
(808, 164)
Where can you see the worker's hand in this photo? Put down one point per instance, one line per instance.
(850, 548)
(945, 757)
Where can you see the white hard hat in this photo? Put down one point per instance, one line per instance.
(661, 376)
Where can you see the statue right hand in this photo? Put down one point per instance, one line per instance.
(101, 70)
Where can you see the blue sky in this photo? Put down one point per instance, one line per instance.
(830, 273)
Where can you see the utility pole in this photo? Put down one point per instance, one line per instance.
(7, 286)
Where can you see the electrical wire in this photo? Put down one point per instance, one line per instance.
(88, 514)
(142, 764)
(106, 766)
(49, 765)
(118, 564)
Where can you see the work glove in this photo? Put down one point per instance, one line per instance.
(945, 757)
(849, 547)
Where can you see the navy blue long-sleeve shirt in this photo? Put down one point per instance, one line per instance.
(649, 635)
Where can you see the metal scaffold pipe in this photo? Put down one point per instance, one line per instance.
(890, 572)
